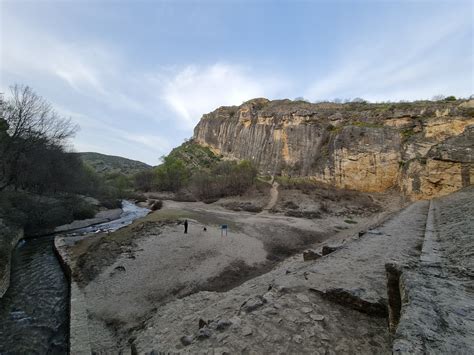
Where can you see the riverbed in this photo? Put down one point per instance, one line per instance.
(34, 314)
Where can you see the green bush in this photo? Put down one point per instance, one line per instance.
(172, 175)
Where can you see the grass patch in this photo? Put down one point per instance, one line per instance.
(350, 221)
(334, 129)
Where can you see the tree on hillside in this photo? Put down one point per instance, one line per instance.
(172, 174)
(359, 100)
(144, 180)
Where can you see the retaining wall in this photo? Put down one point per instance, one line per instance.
(78, 325)
(9, 238)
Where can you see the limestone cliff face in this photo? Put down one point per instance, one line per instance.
(423, 148)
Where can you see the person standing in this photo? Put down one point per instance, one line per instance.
(185, 226)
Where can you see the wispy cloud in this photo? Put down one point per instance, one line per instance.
(403, 64)
(91, 69)
(196, 90)
(134, 94)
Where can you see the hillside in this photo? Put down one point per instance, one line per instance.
(107, 164)
(194, 156)
(422, 148)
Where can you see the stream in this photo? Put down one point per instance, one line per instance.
(34, 316)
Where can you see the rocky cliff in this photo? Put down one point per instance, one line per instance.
(423, 148)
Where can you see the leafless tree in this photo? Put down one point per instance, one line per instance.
(438, 97)
(30, 124)
(31, 117)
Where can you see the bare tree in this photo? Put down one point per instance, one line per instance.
(31, 124)
(438, 97)
(359, 100)
(31, 117)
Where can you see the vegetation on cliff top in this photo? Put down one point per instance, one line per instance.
(357, 110)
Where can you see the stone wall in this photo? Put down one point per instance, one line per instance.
(9, 238)
(78, 324)
(430, 300)
(371, 147)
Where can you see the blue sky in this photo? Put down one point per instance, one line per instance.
(137, 75)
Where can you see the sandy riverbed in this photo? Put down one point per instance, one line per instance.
(128, 275)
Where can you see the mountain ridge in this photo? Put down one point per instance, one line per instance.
(109, 164)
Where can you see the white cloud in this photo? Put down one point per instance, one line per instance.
(409, 63)
(90, 68)
(195, 90)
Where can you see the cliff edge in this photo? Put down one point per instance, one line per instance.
(423, 148)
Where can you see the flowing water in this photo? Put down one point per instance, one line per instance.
(34, 317)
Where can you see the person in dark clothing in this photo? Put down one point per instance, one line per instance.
(185, 226)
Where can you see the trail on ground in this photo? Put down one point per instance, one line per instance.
(273, 197)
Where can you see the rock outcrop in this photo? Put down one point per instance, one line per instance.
(423, 148)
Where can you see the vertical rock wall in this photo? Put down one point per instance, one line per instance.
(366, 147)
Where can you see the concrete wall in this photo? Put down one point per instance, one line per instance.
(78, 327)
(9, 238)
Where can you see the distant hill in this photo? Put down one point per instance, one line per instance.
(106, 164)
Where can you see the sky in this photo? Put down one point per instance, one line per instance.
(136, 76)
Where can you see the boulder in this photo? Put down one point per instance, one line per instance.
(186, 340)
(204, 333)
(252, 304)
(223, 324)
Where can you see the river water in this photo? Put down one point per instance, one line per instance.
(34, 316)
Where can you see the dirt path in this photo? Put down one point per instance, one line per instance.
(273, 197)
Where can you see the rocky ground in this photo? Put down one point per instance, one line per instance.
(255, 292)
(335, 304)
(436, 292)
(151, 263)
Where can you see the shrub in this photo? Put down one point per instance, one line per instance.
(156, 205)
(171, 175)
(39, 214)
(324, 207)
(291, 205)
(225, 179)
(143, 181)
(111, 203)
